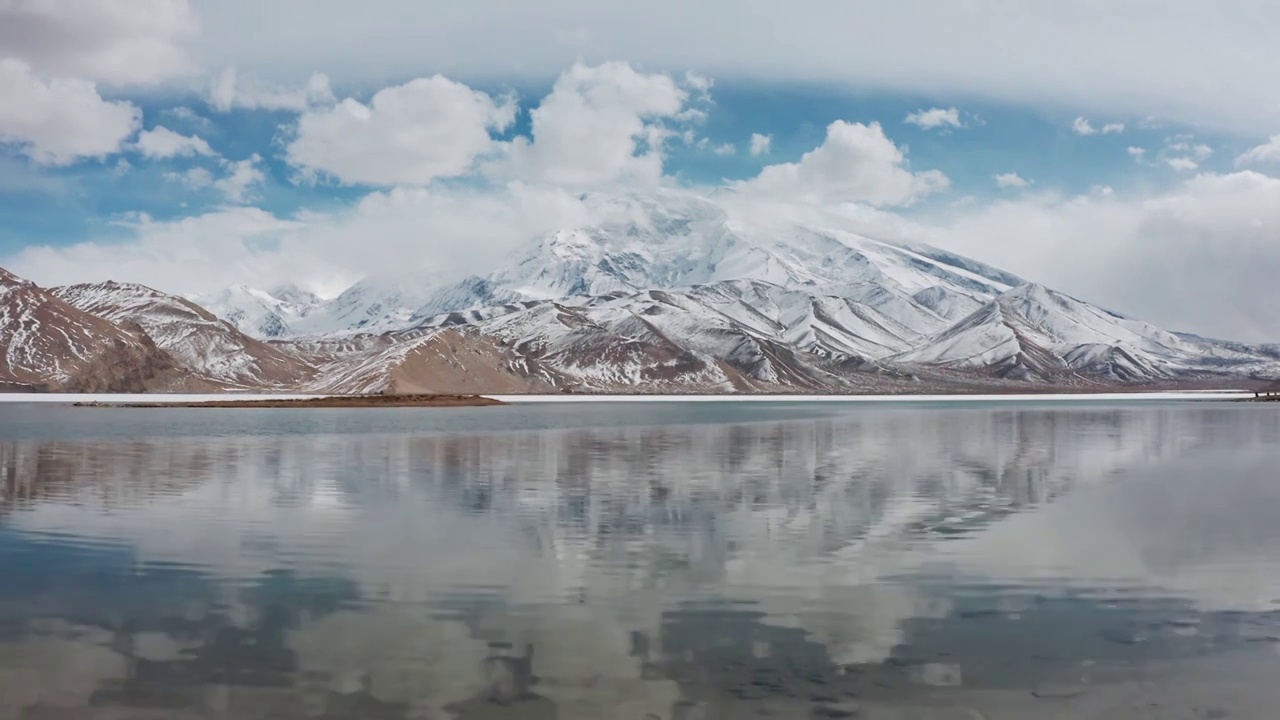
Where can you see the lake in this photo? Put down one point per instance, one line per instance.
(669, 561)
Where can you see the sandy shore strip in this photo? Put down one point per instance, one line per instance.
(1036, 397)
(300, 400)
(336, 401)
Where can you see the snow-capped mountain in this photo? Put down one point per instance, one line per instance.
(664, 240)
(661, 292)
(374, 305)
(1032, 332)
(198, 341)
(672, 239)
(264, 315)
(47, 344)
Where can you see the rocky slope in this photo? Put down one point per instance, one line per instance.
(1034, 333)
(48, 344)
(200, 343)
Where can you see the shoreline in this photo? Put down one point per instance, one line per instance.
(336, 401)
(192, 400)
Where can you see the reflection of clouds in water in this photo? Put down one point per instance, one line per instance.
(404, 655)
(60, 667)
(1203, 529)
(571, 541)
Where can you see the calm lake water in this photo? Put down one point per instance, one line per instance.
(641, 561)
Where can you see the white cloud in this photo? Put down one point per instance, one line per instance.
(1098, 65)
(935, 118)
(600, 124)
(1182, 154)
(230, 91)
(241, 176)
(186, 115)
(413, 133)
(1268, 152)
(1137, 153)
(120, 42)
(1011, 180)
(725, 149)
(464, 231)
(62, 120)
(1201, 257)
(161, 142)
(699, 84)
(761, 144)
(236, 184)
(1198, 152)
(196, 177)
(856, 163)
(1082, 126)
(186, 255)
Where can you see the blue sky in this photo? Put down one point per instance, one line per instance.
(195, 144)
(65, 205)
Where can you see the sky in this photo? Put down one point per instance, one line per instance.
(1123, 152)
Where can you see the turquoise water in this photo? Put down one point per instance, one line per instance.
(641, 561)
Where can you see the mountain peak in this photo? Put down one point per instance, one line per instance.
(9, 279)
(291, 293)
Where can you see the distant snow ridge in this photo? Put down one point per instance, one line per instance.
(666, 291)
(262, 314)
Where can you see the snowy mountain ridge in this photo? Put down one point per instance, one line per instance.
(666, 292)
(662, 240)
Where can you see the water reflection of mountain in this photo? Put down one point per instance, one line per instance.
(802, 487)
(387, 572)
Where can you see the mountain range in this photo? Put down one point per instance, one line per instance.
(666, 291)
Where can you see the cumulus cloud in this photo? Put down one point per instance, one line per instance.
(699, 84)
(1137, 153)
(725, 149)
(1268, 152)
(240, 179)
(59, 121)
(229, 91)
(187, 116)
(121, 42)
(935, 118)
(410, 134)
(761, 144)
(160, 142)
(1010, 180)
(856, 163)
(237, 182)
(599, 124)
(1182, 154)
(1200, 258)
(1082, 126)
(1197, 151)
